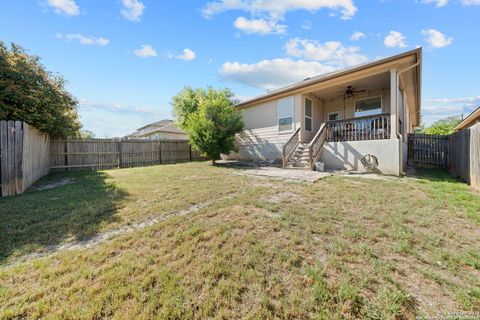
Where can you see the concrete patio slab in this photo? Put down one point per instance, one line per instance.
(287, 174)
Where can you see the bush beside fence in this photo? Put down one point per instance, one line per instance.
(24, 156)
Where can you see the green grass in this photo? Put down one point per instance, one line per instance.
(342, 248)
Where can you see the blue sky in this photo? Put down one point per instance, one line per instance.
(125, 59)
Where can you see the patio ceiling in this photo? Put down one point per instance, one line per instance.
(373, 83)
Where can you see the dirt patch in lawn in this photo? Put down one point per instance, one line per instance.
(53, 184)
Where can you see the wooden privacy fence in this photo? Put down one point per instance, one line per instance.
(428, 149)
(465, 155)
(101, 154)
(458, 152)
(24, 156)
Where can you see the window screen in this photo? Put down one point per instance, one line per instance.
(284, 110)
(368, 107)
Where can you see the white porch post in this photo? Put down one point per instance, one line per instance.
(393, 103)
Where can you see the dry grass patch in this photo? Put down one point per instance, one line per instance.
(342, 248)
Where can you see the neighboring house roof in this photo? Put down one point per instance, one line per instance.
(161, 123)
(172, 128)
(167, 126)
(469, 121)
(333, 75)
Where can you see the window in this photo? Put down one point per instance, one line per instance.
(332, 116)
(368, 107)
(284, 111)
(308, 115)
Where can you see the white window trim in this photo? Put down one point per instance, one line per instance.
(366, 98)
(293, 122)
(333, 112)
(305, 114)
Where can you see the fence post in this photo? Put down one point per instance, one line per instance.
(160, 151)
(19, 157)
(119, 147)
(3, 158)
(190, 152)
(65, 149)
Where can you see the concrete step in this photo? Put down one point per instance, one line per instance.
(299, 164)
(296, 153)
(299, 158)
(298, 167)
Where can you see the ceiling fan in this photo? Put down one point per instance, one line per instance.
(350, 92)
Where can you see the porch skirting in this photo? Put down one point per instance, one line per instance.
(347, 155)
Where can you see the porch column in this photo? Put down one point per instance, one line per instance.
(393, 103)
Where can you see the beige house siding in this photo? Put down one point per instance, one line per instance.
(167, 136)
(261, 139)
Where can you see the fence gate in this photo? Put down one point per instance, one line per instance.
(428, 150)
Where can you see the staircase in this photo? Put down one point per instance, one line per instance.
(299, 157)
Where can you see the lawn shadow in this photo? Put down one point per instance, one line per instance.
(246, 165)
(68, 212)
(432, 174)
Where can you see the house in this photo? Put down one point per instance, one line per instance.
(160, 130)
(472, 119)
(351, 119)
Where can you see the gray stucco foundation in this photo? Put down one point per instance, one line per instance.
(347, 155)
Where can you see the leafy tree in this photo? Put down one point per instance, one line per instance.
(443, 127)
(185, 103)
(30, 93)
(210, 120)
(86, 134)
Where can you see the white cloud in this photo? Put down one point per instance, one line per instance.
(279, 8)
(271, 74)
(467, 100)
(187, 55)
(438, 3)
(441, 108)
(437, 39)
(132, 9)
(68, 7)
(307, 25)
(259, 26)
(108, 119)
(85, 103)
(84, 40)
(395, 40)
(471, 2)
(331, 52)
(435, 109)
(357, 35)
(146, 51)
(243, 98)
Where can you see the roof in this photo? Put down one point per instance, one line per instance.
(469, 121)
(161, 123)
(170, 128)
(328, 76)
